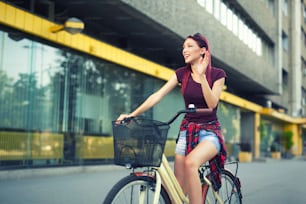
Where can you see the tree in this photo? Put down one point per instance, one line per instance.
(288, 140)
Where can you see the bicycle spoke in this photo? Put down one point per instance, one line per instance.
(135, 190)
(228, 192)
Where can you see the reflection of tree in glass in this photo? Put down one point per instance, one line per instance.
(20, 102)
(5, 100)
(80, 76)
(30, 99)
(229, 118)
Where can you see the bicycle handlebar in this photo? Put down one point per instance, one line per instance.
(191, 109)
(126, 120)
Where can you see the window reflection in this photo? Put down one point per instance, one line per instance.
(217, 9)
(49, 89)
(56, 104)
(25, 91)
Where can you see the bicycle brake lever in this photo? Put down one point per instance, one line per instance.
(126, 120)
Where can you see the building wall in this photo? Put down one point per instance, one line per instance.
(225, 46)
(260, 12)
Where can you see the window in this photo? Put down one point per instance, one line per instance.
(258, 46)
(304, 37)
(209, 6)
(285, 41)
(229, 19)
(55, 100)
(285, 7)
(285, 80)
(201, 3)
(223, 14)
(51, 89)
(244, 33)
(252, 41)
(235, 24)
(217, 9)
(248, 39)
(303, 67)
(304, 14)
(271, 6)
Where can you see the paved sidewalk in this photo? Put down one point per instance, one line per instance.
(54, 171)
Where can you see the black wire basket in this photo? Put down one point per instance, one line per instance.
(139, 143)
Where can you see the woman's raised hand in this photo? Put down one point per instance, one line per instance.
(203, 63)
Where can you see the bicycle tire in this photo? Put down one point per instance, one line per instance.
(127, 191)
(230, 191)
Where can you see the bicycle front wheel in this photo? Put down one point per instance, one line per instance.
(230, 192)
(135, 189)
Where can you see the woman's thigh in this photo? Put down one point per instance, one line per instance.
(202, 153)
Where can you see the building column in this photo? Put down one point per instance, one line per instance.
(296, 149)
(256, 135)
(295, 78)
(278, 45)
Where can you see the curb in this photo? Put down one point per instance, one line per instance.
(55, 171)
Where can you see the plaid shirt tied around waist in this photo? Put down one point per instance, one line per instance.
(192, 139)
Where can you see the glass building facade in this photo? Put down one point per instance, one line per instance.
(63, 93)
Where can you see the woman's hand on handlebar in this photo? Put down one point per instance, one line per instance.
(122, 117)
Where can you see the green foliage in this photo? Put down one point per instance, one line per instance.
(229, 118)
(287, 138)
(263, 130)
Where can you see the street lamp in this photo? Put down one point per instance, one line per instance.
(72, 25)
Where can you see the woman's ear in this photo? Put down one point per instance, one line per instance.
(203, 50)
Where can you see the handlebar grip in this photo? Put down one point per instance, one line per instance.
(203, 110)
(191, 109)
(126, 120)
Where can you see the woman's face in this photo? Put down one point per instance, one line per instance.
(191, 51)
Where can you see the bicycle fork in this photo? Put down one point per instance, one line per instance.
(144, 189)
(164, 175)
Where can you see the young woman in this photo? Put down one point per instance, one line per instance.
(200, 139)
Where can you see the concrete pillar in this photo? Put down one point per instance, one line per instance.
(296, 149)
(256, 135)
(295, 77)
(278, 45)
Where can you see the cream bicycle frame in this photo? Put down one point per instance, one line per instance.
(165, 176)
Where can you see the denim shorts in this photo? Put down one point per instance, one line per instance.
(204, 135)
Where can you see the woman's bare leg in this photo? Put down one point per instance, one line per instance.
(204, 151)
(179, 171)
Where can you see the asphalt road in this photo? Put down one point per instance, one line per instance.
(281, 182)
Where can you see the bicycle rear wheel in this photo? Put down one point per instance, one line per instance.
(230, 192)
(135, 189)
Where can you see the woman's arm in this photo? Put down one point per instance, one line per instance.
(153, 99)
(212, 96)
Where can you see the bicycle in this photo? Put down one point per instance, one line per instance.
(139, 144)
